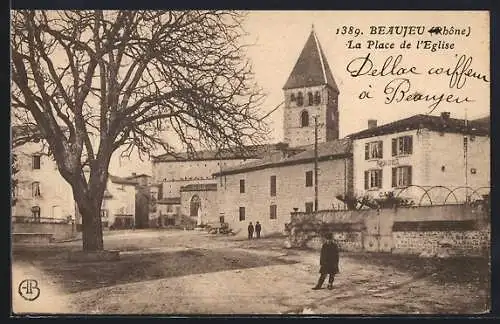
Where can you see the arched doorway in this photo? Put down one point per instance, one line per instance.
(194, 206)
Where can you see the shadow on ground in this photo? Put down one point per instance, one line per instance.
(75, 277)
(457, 270)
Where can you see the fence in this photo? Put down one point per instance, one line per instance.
(442, 195)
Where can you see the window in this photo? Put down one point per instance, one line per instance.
(273, 211)
(304, 119)
(170, 208)
(273, 186)
(310, 99)
(373, 150)
(35, 160)
(221, 219)
(292, 97)
(309, 207)
(194, 205)
(242, 214)
(402, 145)
(317, 98)
(104, 213)
(300, 99)
(309, 179)
(35, 189)
(242, 186)
(35, 213)
(373, 179)
(401, 176)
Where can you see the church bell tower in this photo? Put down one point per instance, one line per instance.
(310, 91)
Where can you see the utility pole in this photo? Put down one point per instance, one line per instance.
(315, 163)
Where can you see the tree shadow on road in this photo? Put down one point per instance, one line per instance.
(79, 276)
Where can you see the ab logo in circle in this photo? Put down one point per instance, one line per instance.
(28, 289)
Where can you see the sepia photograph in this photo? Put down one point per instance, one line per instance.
(224, 162)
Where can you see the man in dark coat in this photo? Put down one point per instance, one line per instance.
(250, 231)
(329, 262)
(258, 228)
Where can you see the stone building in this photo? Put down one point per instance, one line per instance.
(118, 205)
(269, 190)
(423, 152)
(41, 194)
(185, 187)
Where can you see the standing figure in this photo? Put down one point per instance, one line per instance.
(329, 262)
(250, 231)
(258, 228)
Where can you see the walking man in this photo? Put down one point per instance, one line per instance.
(258, 228)
(329, 262)
(250, 231)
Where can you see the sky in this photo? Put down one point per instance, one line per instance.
(279, 36)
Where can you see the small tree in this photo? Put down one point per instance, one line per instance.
(91, 82)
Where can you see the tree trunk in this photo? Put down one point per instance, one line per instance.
(92, 227)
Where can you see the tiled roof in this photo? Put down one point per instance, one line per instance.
(312, 68)
(435, 123)
(332, 149)
(200, 187)
(120, 180)
(249, 152)
(169, 201)
(138, 176)
(485, 121)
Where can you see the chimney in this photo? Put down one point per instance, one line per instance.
(445, 115)
(134, 174)
(372, 123)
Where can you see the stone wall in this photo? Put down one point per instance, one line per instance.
(436, 242)
(58, 231)
(430, 230)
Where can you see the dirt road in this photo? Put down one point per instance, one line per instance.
(193, 273)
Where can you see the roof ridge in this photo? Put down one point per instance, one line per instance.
(320, 55)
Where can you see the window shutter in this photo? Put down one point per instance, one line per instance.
(367, 153)
(410, 145)
(394, 146)
(409, 175)
(394, 177)
(366, 179)
(379, 184)
(381, 148)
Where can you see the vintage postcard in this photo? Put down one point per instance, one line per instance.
(260, 162)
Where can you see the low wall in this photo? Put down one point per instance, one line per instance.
(455, 229)
(347, 241)
(58, 231)
(469, 243)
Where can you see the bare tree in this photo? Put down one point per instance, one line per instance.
(91, 82)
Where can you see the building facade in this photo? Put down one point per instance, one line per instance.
(447, 158)
(41, 194)
(118, 205)
(269, 190)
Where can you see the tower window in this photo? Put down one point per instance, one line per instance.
(36, 162)
(304, 119)
(35, 189)
(317, 98)
(310, 98)
(292, 97)
(300, 99)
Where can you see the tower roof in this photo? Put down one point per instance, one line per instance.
(311, 68)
